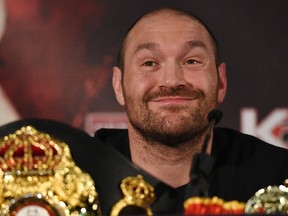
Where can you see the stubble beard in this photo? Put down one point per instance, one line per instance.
(186, 124)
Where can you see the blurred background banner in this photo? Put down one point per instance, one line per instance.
(56, 59)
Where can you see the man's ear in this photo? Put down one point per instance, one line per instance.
(222, 82)
(117, 85)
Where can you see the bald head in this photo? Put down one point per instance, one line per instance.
(165, 15)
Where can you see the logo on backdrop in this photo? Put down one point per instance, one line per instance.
(273, 128)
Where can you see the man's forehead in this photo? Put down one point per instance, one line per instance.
(165, 17)
(164, 21)
(170, 13)
(147, 28)
(144, 31)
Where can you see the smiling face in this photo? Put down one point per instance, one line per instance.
(171, 80)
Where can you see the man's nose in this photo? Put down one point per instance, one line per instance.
(172, 76)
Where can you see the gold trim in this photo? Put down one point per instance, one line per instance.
(33, 164)
(34, 202)
(137, 194)
(269, 200)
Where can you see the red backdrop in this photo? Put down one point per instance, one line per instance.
(56, 60)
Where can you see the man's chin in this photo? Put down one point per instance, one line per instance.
(172, 133)
(171, 139)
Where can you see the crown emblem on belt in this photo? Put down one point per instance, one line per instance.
(28, 151)
(38, 174)
(138, 196)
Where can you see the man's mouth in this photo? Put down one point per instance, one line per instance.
(173, 100)
(180, 95)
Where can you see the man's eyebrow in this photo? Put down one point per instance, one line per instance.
(196, 43)
(148, 45)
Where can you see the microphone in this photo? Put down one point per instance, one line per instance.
(214, 117)
(202, 162)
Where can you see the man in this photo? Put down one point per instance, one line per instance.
(169, 81)
(169, 78)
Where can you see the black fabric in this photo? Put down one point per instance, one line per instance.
(243, 165)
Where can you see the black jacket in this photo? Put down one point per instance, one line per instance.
(243, 165)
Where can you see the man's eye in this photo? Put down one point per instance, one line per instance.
(149, 63)
(192, 61)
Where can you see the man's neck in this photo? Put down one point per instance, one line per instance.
(171, 165)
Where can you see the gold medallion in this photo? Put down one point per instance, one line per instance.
(39, 177)
(138, 196)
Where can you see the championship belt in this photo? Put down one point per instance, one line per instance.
(38, 177)
(269, 200)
